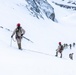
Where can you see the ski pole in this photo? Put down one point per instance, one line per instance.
(11, 42)
(13, 39)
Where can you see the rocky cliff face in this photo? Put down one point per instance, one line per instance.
(41, 8)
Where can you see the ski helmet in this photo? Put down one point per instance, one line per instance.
(18, 25)
(59, 43)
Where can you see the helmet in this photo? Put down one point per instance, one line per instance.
(59, 43)
(18, 25)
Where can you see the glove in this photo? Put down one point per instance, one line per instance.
(21, 34)
(11, 36)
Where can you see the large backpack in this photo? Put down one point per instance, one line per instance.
(17, 30)
(61, 47)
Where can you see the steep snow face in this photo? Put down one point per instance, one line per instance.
(38, 8)
(69, 2)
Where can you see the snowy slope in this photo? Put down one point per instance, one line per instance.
(37, 58)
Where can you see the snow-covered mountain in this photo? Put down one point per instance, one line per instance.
(39, 8)
(37, 58)
(66, 4)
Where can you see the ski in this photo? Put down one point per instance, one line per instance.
(27, 39)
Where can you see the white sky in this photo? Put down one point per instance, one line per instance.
(38, 57)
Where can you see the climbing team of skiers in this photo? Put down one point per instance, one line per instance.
(19, 32)
(62, 47)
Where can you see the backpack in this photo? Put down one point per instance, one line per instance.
(17, 30)
(61, 47)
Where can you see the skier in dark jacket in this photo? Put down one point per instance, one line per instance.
(59, 50)
(71, 56)
(73, 44)
(70, 46)
(18, 32)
